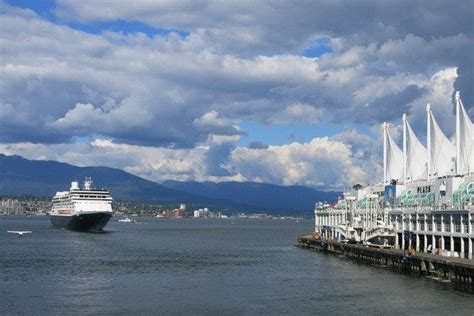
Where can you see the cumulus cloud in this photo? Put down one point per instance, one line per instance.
(82, 115)
(298, 114)
(327, 163)
(168, 101)
(174, 91)
(319, 163)
(256, 144)
(213, 123)
(254, 24)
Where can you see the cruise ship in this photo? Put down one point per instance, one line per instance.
(425, 200)
(81, 209)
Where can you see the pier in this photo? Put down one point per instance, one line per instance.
(444, 269)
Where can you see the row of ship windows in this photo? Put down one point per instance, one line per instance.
(92, 196)
(83, 202)
(85, 197)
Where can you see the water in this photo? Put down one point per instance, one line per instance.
(200, 267)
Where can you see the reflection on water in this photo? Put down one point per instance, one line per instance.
(200, 267)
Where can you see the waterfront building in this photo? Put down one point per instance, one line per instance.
(425, 200)
(10, 206)
(202, 213)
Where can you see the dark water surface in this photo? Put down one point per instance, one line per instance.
(200, 267)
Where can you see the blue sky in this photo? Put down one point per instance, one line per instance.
(318, 48)
(197, 90)
(286, 133)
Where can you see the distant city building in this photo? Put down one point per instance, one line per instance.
(203, 213)
(179, 213)
(10, 206)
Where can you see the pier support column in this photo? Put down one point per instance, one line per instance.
(417, 246)
(433, 242)
(425, 243)
(315, 221)
(469, 222)
(442, 242)
(461, 253)
(451, 225)
(451, 244)
(470, 248)
(403, 240)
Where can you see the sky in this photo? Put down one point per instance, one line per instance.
(283, 92)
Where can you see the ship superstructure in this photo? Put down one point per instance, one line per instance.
(425, 200)
(81, 209)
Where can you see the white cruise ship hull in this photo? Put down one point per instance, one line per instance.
(86, 222)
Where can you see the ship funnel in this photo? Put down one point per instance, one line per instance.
(88, 183)
(74, 185)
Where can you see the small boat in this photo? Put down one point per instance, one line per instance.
(125, 220)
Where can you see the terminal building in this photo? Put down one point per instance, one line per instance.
(425, 200)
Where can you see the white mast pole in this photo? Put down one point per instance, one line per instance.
(384, 152)
(458, 133)
(404, 119)
(428, 138)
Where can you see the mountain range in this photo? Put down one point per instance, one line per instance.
(20, 176)
(264, 195)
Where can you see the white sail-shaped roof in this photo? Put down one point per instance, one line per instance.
(464, 139)
(441, 151)
(393, 158)
(414, 154)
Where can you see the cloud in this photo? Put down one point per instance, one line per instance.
(255, 144)
(243, 26)
(323, 163)
(82, 115)
(392, 106)
(213, 123)
(171, 91)
(298, 114)
(328, 163)
(169, 102)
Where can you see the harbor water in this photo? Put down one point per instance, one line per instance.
(204, 266)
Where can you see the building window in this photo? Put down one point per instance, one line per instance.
(447, 223)
(465, 223)
(437, 222)
(457, 224)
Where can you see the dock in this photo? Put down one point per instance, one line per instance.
(444, 269)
